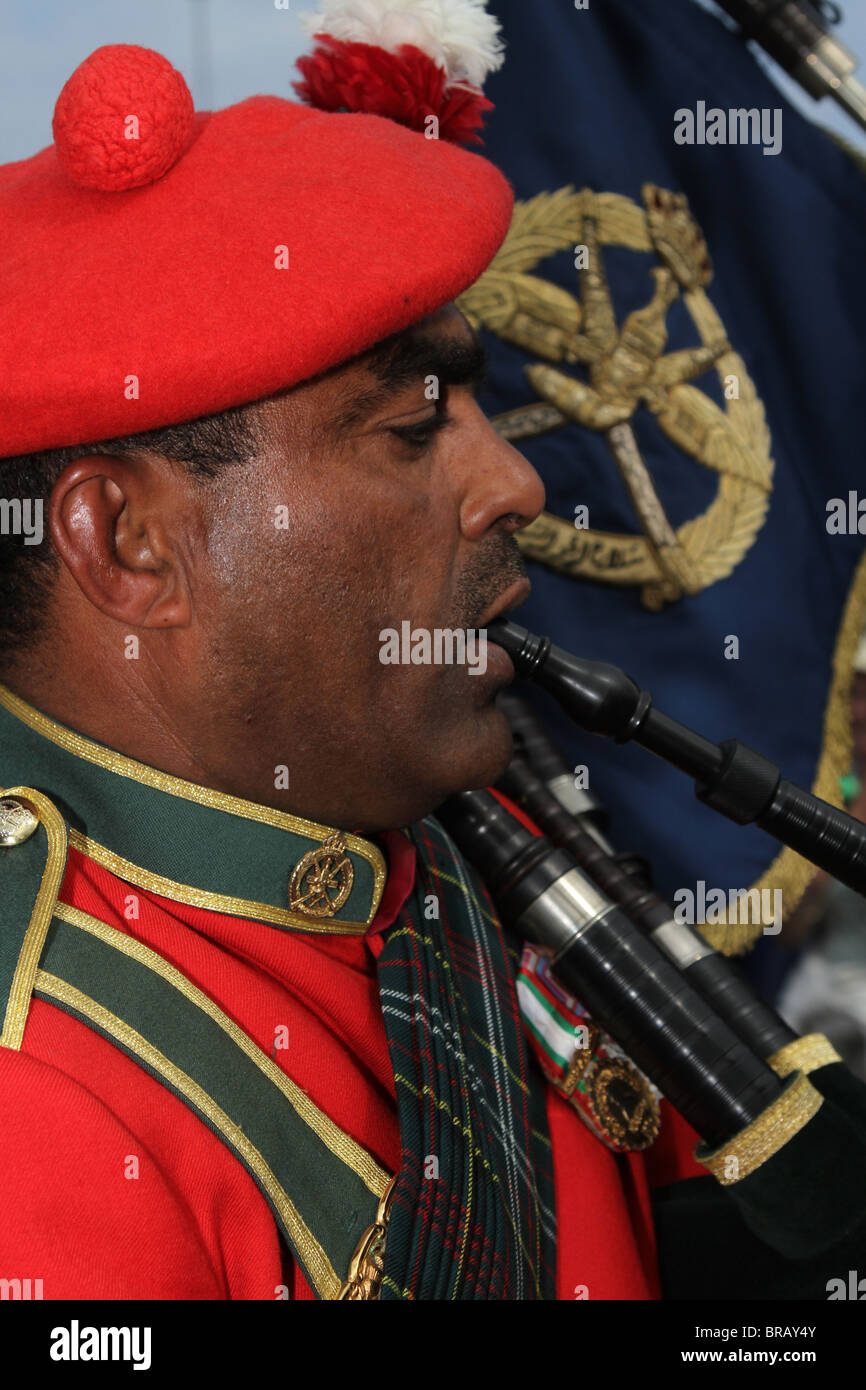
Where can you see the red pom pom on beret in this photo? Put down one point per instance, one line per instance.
(123, 118)
(217, 257)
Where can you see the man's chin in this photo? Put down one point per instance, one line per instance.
(474, 757)
(487, 755)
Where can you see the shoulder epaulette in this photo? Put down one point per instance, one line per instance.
(327, 1194)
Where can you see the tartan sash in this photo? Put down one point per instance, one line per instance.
(473, 1212)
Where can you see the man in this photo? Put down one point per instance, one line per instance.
(260, 1031)
(195, 699)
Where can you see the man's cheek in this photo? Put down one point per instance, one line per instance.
(418, 696)
(429, 697)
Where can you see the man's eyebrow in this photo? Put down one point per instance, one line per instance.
(408, 357)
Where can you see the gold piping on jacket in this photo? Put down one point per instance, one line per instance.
(123, 766)
(320, 1269)
(340, 1144)
(804, 1054)
(781, 1120)
(200, 897)
(18, 1003)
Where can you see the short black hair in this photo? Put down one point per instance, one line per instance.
(204, 447)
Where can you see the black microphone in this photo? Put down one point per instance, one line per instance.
(629, 987)
(732, 778)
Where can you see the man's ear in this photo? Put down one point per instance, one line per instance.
(107, 517)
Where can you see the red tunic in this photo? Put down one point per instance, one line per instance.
(114, 1189)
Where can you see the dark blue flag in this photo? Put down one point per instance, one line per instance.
(677, 326)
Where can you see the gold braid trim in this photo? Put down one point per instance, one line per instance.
(323, 1276)
(787, 1115)
(789, 871)
(805, 1054)
(52, 822)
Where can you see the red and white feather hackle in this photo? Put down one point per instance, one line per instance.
(419, 62)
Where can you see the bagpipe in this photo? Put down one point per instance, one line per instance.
(781, 1120)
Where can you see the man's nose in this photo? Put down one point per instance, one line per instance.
(501, 489)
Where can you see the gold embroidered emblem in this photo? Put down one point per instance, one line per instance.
(322, 879)
(17, 822)
(611, 1095)
(627, 368)
(623, 1104)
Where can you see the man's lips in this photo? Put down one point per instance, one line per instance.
(500, 668)
(499, 665)
(512, 597)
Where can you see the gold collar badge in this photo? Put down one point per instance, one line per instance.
(322, 879)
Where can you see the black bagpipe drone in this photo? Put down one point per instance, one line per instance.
(786, 1109)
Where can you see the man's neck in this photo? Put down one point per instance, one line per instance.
(134, 720)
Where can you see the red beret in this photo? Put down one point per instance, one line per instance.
(159, 265)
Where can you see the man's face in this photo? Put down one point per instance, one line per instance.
(374, 504)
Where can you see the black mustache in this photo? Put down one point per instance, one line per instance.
(493, 570)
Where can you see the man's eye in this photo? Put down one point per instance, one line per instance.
(419, 437)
